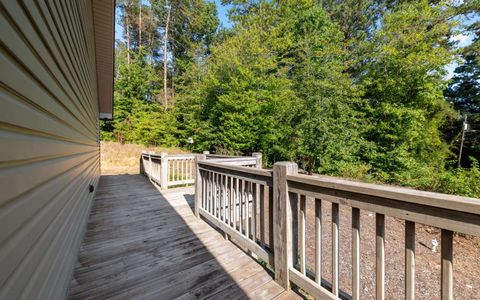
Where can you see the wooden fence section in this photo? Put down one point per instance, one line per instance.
(238, 200)
(168, 170)
(264, 211)
(179, 169)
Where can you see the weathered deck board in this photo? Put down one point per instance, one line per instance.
(145, 244)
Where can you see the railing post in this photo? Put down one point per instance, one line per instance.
(163, 171)
(149, 165)
(142, 164)
(258, 157)
(282, 222)
(198, 184)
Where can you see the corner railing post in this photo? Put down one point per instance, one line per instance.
(163, 170)
(282, 222)
(258, 157)
(149, 173)
(142, 163)
(198, 184)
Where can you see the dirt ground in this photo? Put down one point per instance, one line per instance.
(119, 158)
(466, 256)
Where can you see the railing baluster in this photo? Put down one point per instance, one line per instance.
(246, 198)
(409, 260)
(172, 170)
(355, 253)
(236, 212)
(271, 239)
(217, 207)
(380, 256)
(220, 190)
(294, 226)
(214, 193)
(302, 221)
(447, 264)
(208, 191)
(219, 199)
(254, 212)
(185, 176)
(232, 202)
(240, 207)
(229, 196)
(224, 198)
(262, 215)
(205, 189)
(335, 228)
(318, 241)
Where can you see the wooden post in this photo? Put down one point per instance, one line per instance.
(282, 219)
(447, 264)
(409, 260)
(198, 184)
(142, 163)
(258, 157)
(150, 165)
(164, 171)
(256, 214)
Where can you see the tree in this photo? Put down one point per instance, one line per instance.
(403, 82)
(464, 93)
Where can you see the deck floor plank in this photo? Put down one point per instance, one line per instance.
(141, 243)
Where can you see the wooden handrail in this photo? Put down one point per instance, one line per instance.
(452, 202)
(262, 176)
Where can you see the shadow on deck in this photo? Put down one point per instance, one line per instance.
(141, 243)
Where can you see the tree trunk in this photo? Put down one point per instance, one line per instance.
(127, 29)
(140, 25)
(173, 69)
(165, 57)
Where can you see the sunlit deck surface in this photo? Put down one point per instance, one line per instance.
(145, 244)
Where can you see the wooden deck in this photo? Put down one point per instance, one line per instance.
(145, 244)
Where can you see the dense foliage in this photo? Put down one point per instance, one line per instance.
(347, 88)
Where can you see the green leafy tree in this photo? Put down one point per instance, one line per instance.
(403, 82)
(464, 93)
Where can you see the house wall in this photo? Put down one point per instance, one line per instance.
(49, 149)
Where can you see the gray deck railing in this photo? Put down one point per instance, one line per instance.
(264, 211)
(179, 169)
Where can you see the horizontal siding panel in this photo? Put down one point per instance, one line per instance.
(49, 152)
(17, 112)
(15, 181)
(27, 148)
(59, 55)
(44, 253)
(23, 209)
(28, 30)
(17, 78)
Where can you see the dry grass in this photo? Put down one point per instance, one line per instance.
(119, 158)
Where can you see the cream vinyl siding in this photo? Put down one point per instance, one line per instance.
(49, 150)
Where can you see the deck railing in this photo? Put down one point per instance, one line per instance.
(238, 200)
(264, 211)
(179, 169)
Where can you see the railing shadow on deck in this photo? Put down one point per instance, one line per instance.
(138, 244)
